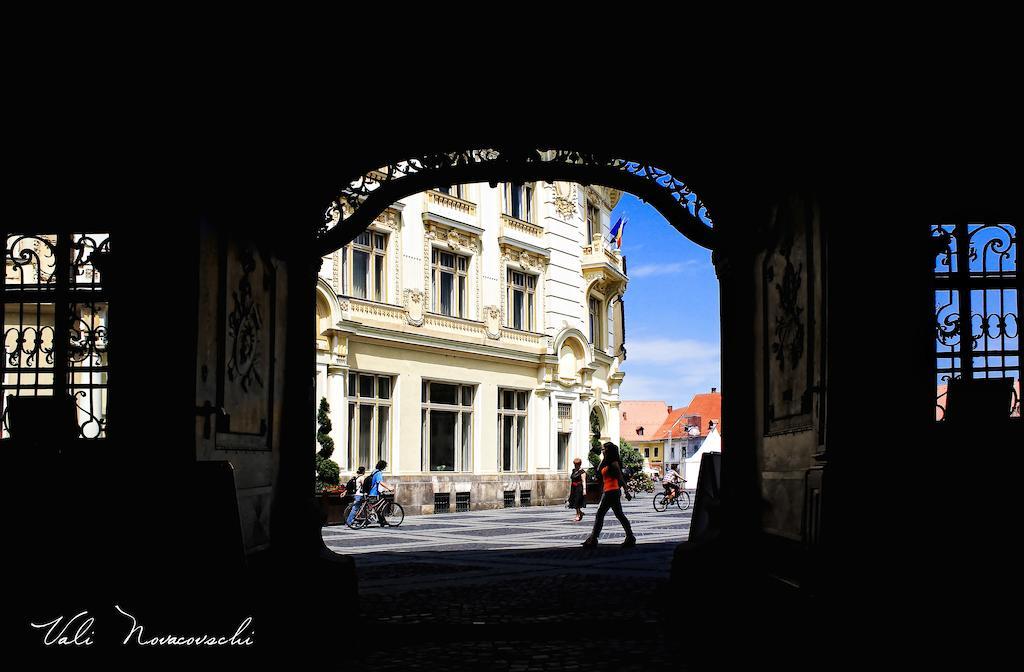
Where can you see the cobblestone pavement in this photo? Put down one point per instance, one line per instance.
(512, 589)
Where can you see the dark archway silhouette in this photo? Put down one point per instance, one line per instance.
(365, 196)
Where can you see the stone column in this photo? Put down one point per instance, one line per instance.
(336, 397)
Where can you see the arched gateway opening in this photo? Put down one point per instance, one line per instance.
(408, 253)
(484, 285)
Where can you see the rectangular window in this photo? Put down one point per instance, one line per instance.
(456, 190)
(447, 426)
(364, 267)
(595, 321)
(518, 200)
(593, 222)
(520, 290)
(369, 419)
(563, 449)
(512, 428)
(449, 283)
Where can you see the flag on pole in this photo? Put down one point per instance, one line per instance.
(616, 232)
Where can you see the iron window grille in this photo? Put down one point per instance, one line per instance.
(442, 502)
(461, 502)
(369, 419)
(510, 499)
(447, 426)
(56, 310)
(512, 429)
(976, 275)
(524, 498)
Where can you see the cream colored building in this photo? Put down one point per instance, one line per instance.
(466, 337)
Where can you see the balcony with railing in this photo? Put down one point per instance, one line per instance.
(599, 254)
(521, 230)
(448, 206)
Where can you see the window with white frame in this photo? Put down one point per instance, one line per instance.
(447, 426)
(518, 200)
(449, 284)
(595, 321)
(521, 300)
(563, 451)
(369, 419)
(364, 267)
(512, 427)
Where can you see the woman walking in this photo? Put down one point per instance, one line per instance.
(611, 497)
(577, 489)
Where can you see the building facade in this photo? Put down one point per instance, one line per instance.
(638, 425)
(466, 337)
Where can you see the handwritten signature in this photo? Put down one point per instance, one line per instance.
(79, 630)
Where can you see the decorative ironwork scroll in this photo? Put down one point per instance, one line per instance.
(55, 316)
(413, 174)
(976, 275)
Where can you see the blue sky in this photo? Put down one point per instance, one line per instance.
(672, 323)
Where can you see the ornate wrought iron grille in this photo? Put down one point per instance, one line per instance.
(461, 502)
(509, 499)
(976, 275)
(524, 497)
(55, 322)
(378, 188)
(442, 502)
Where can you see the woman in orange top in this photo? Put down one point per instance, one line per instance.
(611, 498)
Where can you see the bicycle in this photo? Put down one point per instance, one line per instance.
(384, 509)
(664, 500)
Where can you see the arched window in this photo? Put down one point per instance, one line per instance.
(976, 276)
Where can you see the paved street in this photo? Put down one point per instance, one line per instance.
(512, 589)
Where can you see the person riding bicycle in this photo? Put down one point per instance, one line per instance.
(357, 492)
(376, 483)
(671, 482)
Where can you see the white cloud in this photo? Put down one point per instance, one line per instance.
(650, 270)
(670, 351)
(670, 369)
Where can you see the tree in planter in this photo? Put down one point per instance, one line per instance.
(327, 471)
(595, 444)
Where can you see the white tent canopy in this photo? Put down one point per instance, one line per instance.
(691, 465)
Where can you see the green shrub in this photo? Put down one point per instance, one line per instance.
(327, 472)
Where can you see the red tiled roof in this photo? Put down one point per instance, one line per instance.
(707, 407)
(676, 421)
(646, 414)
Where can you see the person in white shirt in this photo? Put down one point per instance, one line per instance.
(671, 481)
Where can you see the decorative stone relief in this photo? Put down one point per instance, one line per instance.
(566, 198)
(492, 316)
(413, 303)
